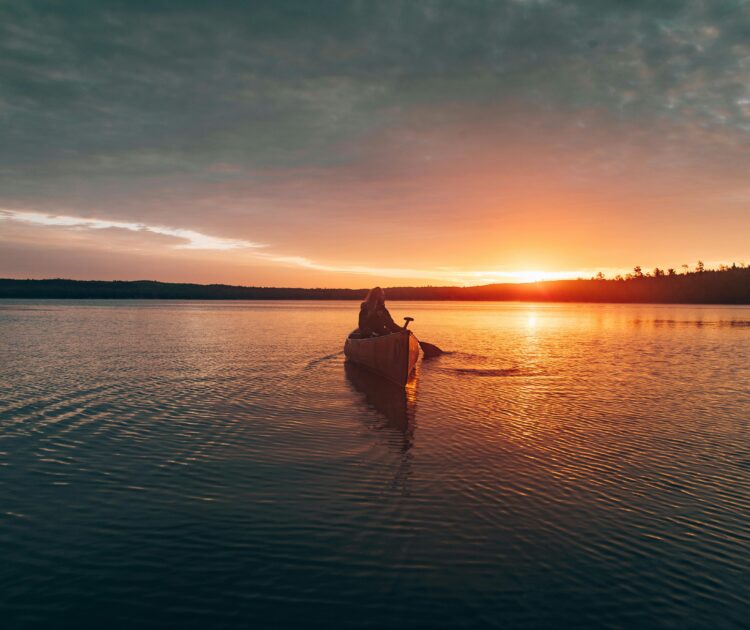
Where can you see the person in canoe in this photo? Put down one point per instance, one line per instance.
(374, 318)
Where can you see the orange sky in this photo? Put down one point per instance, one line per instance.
(576, 158)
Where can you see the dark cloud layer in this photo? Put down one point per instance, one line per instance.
(136, 89)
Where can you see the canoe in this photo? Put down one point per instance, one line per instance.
(391, 356)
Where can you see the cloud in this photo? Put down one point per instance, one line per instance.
(189, 239)
(140, 89)
(283, 120)
(455, 276)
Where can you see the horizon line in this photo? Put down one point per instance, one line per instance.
(639, 274)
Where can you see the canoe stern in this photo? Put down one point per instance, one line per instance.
(392, 356)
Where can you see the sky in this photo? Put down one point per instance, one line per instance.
(353, 143)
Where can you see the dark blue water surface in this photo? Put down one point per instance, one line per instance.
(175, 464)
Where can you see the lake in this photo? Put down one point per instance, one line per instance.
(216, 464)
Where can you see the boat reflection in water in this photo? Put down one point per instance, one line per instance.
(396, 404)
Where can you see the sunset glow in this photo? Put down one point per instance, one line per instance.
(306, 155)
(190, 240)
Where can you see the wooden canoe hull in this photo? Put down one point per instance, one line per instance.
(391, 356)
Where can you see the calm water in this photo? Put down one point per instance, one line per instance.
(198, 464)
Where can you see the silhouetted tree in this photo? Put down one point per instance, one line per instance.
(700, 267)
(727, 286)
(637, 271)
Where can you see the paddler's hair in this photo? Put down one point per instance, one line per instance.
(374, 297)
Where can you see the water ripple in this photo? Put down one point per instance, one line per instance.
(195, 464)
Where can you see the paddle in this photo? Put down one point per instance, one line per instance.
(430, 350)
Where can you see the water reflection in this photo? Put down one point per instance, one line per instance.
(559, 475)
(395, 404)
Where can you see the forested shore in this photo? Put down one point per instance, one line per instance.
(728, 285)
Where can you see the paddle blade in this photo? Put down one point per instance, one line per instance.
(430, 350)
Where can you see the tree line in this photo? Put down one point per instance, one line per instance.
(725, 285)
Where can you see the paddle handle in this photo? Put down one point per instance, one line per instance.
(408, 319)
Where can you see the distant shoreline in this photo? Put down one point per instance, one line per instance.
(723, 286)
